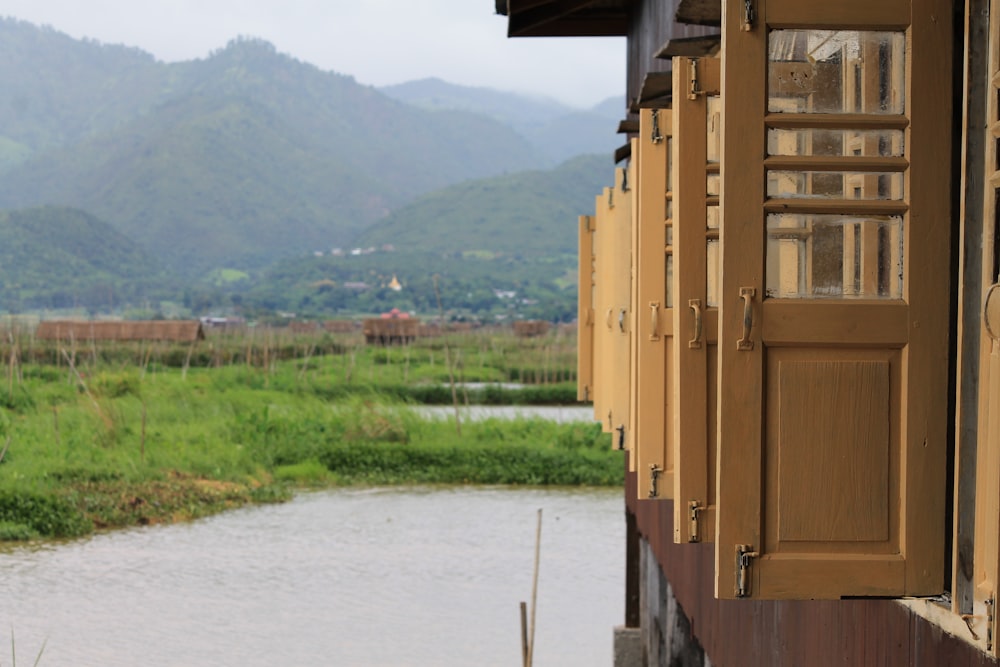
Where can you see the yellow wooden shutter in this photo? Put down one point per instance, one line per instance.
(585, 311)
(697, 123)
(833, 330)
(986, 559)
(603, 308)
(653, 335)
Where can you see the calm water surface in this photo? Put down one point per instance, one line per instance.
(413, 576)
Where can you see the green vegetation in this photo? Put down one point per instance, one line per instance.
(119, 437)
(63, 258)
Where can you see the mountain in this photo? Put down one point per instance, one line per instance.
(58, 258)
(557, 131)
(498, 246)
(234, 160)
(523, 214)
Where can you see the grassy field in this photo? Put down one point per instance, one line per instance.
(109, 436)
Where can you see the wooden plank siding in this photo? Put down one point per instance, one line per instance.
(813, 633)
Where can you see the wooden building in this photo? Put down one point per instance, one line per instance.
(789, 321)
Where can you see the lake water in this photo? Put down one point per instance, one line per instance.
(355, 577)
(556, 413)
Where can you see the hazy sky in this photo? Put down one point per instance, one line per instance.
(378, 42)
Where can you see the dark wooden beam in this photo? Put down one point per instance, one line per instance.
(528, 15)
(699, 12)
(567, 18)
(691, 47)
(623, 152)
(583, 26)
(628, 126)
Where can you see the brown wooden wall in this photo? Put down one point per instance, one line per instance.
(748, 633)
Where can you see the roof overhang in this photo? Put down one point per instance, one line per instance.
(565, 18)
(656, 92)
(699, 12)
(691, 47)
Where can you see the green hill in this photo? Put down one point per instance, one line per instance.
(524, 214)
(238, 159)
(501, 247)
(61, 258)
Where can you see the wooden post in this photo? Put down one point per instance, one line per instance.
(534, 589)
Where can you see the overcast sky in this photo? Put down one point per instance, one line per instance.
(378, 42)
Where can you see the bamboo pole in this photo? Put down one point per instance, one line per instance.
(534, 590)
(524, 634)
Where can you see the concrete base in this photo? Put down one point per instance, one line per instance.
(628, 647)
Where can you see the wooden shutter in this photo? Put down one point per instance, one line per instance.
(585, 311)
(986, 573)
(653, 337)
(603, 307)
(612, 240)
(833, 330)
(697, 125)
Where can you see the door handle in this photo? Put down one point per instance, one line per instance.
(744, 344)
(695, 305)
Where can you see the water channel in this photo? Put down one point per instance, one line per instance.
(355, 577)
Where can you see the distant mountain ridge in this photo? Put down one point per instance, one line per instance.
(557, 130)
(249, 156)
(246, 156)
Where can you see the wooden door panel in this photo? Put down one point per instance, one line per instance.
(834, 299)
(831, 454)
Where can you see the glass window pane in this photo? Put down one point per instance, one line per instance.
(670, 281)
(714, 124)
(712, 187)
(836, 71)
(712, 217)
(835, 143)
(834, 256)
(670, 163)
(712, 277)
(835, 185)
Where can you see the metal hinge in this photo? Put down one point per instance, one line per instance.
(748, 16)
(654, 477)
(656, 136)
(621, 436)
(694, 90)
(990, 610)
(694, 509)
(744, 557)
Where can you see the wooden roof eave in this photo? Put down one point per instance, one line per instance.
(656, 92)
(699, 12)
(691, 47)
(565, 18)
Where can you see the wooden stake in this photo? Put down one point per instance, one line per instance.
(524, 634)
(534, 589)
